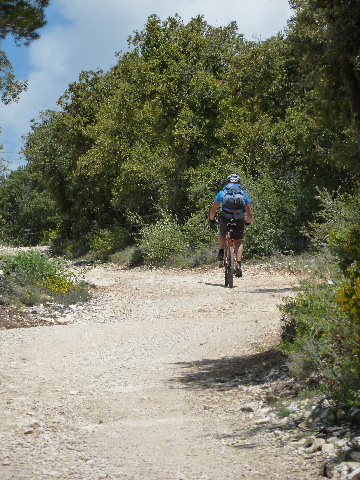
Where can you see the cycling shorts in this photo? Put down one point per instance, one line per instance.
(236, 218)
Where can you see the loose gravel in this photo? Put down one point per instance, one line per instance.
(163, 375)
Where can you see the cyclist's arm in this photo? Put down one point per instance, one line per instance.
(249, 212)
(213, 210)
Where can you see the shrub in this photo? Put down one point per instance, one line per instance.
(169, 244)
(337, 214)
(32, 277)
(321, 330)
(349, 294)
(132, 256)
(31, 266)
(281, 209)
(28, 211)
(324, 343)
(162, 240)
(107, 241)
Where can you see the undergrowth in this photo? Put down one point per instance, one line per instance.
(31, 278)
(320, 330)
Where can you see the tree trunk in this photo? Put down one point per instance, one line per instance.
(352, 87)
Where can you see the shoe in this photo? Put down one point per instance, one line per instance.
(220, 256)
(238, 271)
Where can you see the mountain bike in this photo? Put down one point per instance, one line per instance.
(229, 256)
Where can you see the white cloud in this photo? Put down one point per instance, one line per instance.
(89, 32)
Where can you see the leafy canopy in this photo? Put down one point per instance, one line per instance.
(22, 19)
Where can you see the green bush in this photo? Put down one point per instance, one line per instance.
(105, 242)
(337, 215)
(321, 330)
(281, 209)
(163, 240)
(169, 244)
(28, 211)
(131, 256)
(198, 233)
(321, 342)
(33, 277)
(31, 266)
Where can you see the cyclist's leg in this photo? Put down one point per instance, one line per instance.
(222, 236)
(222, 240)
(239, 249)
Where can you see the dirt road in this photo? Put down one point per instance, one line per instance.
(159, 377)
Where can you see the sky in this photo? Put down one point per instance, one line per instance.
(86, 34)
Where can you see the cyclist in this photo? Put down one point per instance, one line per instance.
(239, 216)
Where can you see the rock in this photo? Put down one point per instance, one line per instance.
(271, 399)
(309, 441)
(328, 448)
(356, 441)
(354, 475)
(345, 469)
(262, 421)
(313, 444)
(248, 407)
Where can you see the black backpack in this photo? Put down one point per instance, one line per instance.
(234, 197)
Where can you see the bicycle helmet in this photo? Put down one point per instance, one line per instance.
(233, 178)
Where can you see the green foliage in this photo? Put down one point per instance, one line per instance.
(156, 135)
(107, 241)
(21, 19)
(162, 240)
(10, 88)
(337, 228)
(168, 243)
(27, 210)
(31, 266)
(281, 207)
(349, 295)
(321, 326)
(346, 246)
(349, 260)
(324, 347)
(325, 36)
(33, 277)
(131, 256)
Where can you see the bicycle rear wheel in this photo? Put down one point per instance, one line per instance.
(229, 266)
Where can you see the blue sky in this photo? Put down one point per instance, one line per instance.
(86, 34)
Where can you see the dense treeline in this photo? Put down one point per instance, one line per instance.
(155, 136)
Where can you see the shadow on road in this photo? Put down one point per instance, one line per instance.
(216, 284)
(271, 290)
(229, 372)
(257, 290)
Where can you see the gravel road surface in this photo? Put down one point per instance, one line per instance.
(154, 379)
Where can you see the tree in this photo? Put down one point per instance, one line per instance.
(326, 36)
(21, 19)
(28, 212)
(155, 136)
